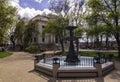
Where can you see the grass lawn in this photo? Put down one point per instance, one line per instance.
(5, 54)
(94, 53)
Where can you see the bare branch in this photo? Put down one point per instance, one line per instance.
(109, 6)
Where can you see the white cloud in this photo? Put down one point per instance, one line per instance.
(28, 12)
(39, 1)
(14, 3)
(46, 11)
(31, 12)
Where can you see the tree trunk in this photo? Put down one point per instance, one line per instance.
(77, 46)
(101, 41)
(87, 43)
(119, 51)
(118, 43)
(62, 44)
(116, 21)
(106, 42)
(92, 43)
(97, 43)
(12, 39)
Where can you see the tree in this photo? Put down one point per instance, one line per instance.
(94, 25)
(7, 17)
(70, 12)
(19, 31)
(30, 32)
(89, 35)
(56, 27)
(107, 33)
(59, 6)
(94, 33)
(78, 33)
(77, 12)
(109, 13)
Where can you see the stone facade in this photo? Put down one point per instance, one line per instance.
(39, 39)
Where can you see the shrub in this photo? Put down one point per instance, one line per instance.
(33, 49)
(2, 49)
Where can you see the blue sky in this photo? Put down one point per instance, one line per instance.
(34, 4)
(31, 8)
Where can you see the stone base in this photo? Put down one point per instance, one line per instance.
(72, 59)
(74, 71)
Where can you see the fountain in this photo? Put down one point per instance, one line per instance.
(73, 65)
(71, 57)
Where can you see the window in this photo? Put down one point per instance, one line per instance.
(56, 39)
(43, 39)
(43, 26)
(35, 39)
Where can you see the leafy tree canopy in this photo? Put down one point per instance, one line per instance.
(7, 14)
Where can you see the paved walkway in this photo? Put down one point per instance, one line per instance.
(19, 68)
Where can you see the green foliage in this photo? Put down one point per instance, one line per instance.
(30, 32)
(19, 31)
(106, 12)
(5, 54)
(93, 19)
(25, 32)
(79, 31)
(94, 53)
(7, 14)
(33, 49)
(56, 27)
(96, 5)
